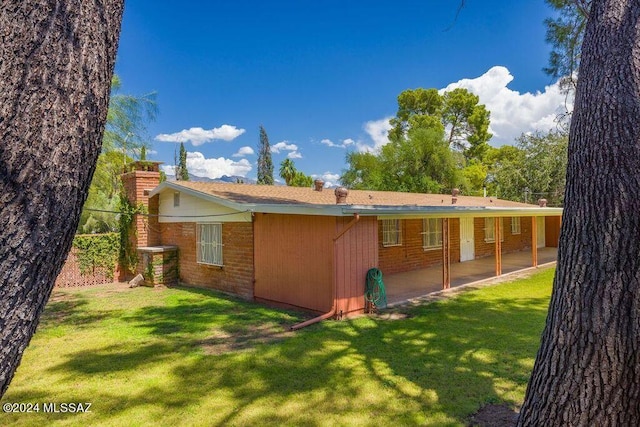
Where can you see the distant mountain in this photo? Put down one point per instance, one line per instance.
(224, 178)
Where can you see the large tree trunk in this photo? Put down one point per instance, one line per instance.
(587, 371)
(56, 62)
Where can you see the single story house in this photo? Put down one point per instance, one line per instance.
(312, 247)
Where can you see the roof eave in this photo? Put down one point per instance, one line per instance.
(449, 211)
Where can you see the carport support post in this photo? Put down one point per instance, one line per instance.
(446, 255)
(534, 241)
(498, 245)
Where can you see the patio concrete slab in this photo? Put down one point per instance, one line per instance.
(416, 283)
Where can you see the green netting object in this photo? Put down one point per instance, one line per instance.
(374, 289)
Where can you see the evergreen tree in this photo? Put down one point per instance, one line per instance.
(265, 164)
(65, 53)
(182, 173)
(587, 371)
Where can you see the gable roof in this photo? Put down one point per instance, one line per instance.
(306, 200)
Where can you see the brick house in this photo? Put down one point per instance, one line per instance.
(310, 248)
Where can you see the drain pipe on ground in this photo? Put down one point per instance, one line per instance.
(332, 312)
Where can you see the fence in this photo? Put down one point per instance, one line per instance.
(93, 260)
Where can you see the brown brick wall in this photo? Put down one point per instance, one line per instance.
(158, 268)
(235, 277)
(135, 183)
(511, 243)
(410, 255)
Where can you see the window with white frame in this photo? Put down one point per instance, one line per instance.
(516, 228)
(209, 244)
(490, 230)
(432, 234)
(391, 232)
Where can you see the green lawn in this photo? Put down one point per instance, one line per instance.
(191, 357)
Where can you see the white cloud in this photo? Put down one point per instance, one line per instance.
(330, 179)
(329, 143)
(199, 165)
(345, 143)
(198, 136)
(283, 146)
(244, 151)
(512, 112)
(378, 131)
(328, 176)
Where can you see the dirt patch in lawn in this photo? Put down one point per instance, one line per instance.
(222, 341)
(494, 415)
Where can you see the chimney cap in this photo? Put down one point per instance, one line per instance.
(341, 195)
(318, 184)
(542, 203)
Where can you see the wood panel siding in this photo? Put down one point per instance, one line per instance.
(356, 251)
(294, 260)
(552, 231)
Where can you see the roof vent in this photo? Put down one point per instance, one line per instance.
(318, 184)
(542, 203)
(341, 195)
(454, 196)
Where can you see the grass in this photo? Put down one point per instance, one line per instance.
(192, 357)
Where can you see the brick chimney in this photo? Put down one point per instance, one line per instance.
(454, 196)
(143, 176)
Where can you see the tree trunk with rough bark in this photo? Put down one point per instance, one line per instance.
(56, 62)
(587, 371)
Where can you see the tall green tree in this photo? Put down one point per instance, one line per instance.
(182, 172)
(300, 179)
(587, 371)
(534, 169)
(56, 63)
(365, 171)
(125, 133)
(565, 33)
(457, 112)
(420, 163)
(288, 170)
(265, 164)
(127, 117)
(467, 123)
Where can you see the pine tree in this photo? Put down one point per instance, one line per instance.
(587, 371)
(182, 173)
(65, 53)
(265, 164)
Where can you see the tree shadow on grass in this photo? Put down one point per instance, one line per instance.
(437, 366)
(71, 310)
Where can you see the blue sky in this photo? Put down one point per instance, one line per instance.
(322, 77)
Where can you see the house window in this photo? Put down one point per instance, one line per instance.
(432, 234)
(176, 199)
(490, 230)
(391, 232)
(209, 244)
(515, 225)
